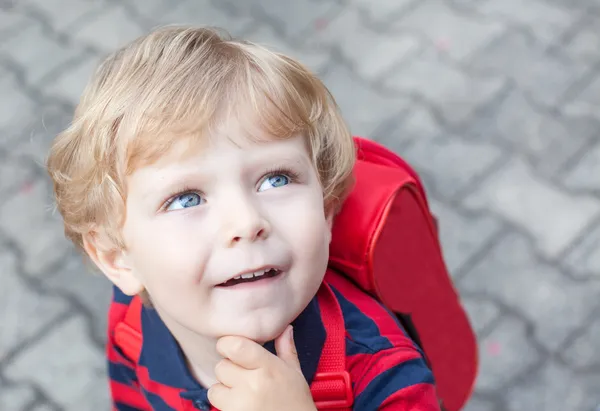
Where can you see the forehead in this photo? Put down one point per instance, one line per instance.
(229, 150)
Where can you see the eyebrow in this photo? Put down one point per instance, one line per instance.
(170, 183)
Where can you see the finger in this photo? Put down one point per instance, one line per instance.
(243, 352)
(286, 348)
(230, 374)
(218, 395)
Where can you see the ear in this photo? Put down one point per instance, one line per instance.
(113, 262)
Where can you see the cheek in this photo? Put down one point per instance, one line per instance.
(305, 228)
(168, 253)
(310, 233)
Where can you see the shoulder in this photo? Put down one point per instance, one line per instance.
(118, 308)
(387, 368)
(370, 326)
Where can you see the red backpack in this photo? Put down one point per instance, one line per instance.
(385, 241)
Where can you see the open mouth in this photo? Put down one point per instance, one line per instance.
(251, 277)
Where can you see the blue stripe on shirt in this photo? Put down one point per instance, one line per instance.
(398, 377)
(362, 329)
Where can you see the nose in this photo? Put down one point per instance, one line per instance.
(244, 222)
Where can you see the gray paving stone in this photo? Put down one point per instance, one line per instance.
(353, 95)
(553, 218)
(454, 164)
(554, 388)
(11, 21)
(151, 9)
(14, 109)
(15, 398)
(524, 60)
(295, 19)
(75, 377)
(38, 232)
(316, 60)
(476, 404)
(451, 91)
(585, 175)
(384, 11)
(14, 175)
(584, 258)
(481, 311)
(455, 33)
(39, 132)
(584, 42)
(371, 54)
(70, 84)
(37, 62)
(80, 280)
(468, 5)
(555, 304)
(22, 311)
(587, 101)
(62, 14)
(582, 352)
(587, 5)
(205, 13)
(545, 139)
(545, 20)
(415, 124)
(44, 407)
(116, 27)
(462, 235)
(505, 355)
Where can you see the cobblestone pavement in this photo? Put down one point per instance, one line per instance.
(495, 102)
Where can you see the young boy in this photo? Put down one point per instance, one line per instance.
(203, 174)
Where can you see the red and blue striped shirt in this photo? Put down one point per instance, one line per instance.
(386, 368)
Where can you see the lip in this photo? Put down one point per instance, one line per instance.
(253, 270)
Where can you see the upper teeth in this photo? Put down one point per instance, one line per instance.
(250, 275)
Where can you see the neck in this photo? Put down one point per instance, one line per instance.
(200, 352)
(201, 361)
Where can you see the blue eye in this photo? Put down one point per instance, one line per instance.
(186, 200)
(274, 181)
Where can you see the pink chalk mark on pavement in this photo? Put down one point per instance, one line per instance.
(26, 188)
(320, 24)
(442, 44)
(494, 349)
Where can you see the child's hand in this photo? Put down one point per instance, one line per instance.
(251, 378)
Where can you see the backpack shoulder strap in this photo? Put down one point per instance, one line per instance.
(332, 388)
(128, 333)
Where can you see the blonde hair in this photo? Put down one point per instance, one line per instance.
(180, 81)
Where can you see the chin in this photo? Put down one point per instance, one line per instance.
(262, 333)
(265, 335)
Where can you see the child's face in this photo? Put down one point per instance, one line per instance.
(196, 222)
